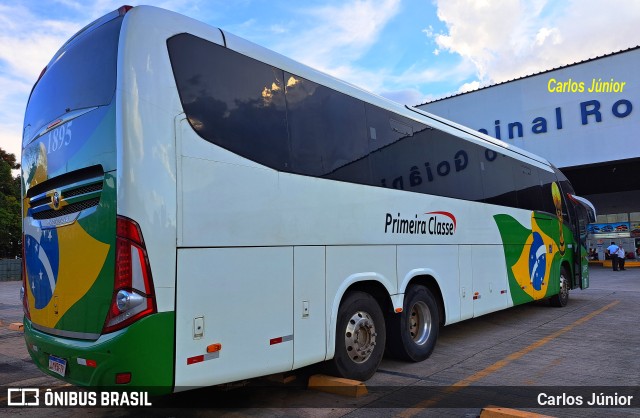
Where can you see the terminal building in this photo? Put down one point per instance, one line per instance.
(585, 119)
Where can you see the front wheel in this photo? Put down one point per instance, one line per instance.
(562, 298)
(412, 334)
(360, 337)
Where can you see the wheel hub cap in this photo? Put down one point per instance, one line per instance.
(360, 337)
(420, 323)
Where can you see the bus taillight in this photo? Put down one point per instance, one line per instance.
(44, 70)
(133, 296)
(122, 10)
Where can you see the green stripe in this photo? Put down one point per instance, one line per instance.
(145, 349)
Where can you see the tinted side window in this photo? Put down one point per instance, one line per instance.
(565, 187)
(427, 160)
(327, 129)
(384, 127)
(292, 124)
(547, 204)
(527, 182)
(232, 100)
(497, 178)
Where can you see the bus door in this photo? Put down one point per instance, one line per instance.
(584, 213)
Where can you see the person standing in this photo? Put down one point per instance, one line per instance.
(621, 257)
(613, 255)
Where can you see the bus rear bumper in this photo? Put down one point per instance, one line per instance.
(144, 350)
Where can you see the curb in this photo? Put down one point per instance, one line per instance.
(337, 385)
(497, 412)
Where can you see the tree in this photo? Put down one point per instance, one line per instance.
(10, 216)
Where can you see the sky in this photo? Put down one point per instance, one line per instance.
(410, 51)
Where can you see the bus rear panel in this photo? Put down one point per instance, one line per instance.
(90, 309)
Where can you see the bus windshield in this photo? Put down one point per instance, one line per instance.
(82, 75)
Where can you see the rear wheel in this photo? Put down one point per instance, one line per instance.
(360, 337)
(412, 334)
(562, 298)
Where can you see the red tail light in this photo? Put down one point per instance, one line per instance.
(123, 378)
(44, 70)
(133, 295)
(122, 10)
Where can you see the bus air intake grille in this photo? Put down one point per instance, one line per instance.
(67, 210)
(90, 188)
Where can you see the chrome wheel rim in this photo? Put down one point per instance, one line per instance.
(419, 323)
(360, 337)
(564, 289)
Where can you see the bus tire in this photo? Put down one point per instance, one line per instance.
(412, 334)
(562, 298)
(360, 337)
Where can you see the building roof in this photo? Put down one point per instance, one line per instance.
(534, 74)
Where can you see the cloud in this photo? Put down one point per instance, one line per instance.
(278, 29)
(544, 34)
(30, 34)
(28, 39)
(333, 38)
(25, 49)
(407, 96)
(509, 39)
(336, 35)
(473, 85)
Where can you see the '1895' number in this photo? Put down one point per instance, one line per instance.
(59, 137)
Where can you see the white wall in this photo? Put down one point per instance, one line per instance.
(574, 142)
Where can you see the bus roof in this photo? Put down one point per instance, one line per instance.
(260, 53)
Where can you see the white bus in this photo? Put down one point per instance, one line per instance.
(201, 210)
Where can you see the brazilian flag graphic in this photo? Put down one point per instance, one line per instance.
(532, 254)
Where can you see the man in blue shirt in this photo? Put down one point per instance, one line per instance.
(613, 255)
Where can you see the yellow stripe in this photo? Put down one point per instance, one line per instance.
(500, 364)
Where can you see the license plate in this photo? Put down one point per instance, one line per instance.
(57, 365)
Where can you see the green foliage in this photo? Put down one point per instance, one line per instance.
(10, 217)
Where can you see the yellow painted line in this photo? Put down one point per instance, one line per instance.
(501, 363)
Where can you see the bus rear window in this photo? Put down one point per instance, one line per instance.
(83, 75)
